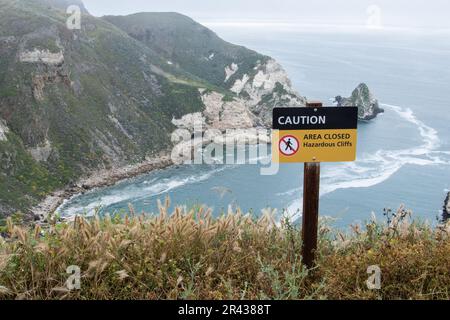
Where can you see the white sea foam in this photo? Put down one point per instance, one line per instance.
(368, 171)
(150, 188)
(89, 209)
(170, 184)
(373, 169)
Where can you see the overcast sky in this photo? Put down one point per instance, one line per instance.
(400, 13)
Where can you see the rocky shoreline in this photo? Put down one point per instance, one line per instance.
(446, 209)
(106, 178)
(100, 179)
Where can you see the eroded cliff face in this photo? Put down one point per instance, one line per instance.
(73, 102)
(229, 70)
(368, 106)
(41, 56)
(246, 85)
(3, 130)
(43, 50)
(239, 116)
(256, 94)
(223, 114)
(268, 87)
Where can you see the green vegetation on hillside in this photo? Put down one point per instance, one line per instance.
(189, 45)
(110, 102)
(23, 179)
(190, 255)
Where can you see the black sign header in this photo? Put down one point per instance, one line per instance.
(326, 118)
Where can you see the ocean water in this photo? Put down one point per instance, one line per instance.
(403, 156)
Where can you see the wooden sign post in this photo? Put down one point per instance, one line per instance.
(310, 218)
(313, 135)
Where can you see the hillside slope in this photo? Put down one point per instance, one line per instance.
(189, 45)
(258, 80)
(75, 101)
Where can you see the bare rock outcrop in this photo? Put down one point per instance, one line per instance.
(267, 88)
(50, 76)
(223, 114)
(368, 106)
(3, 130)
(446, 210)
(42, 56)
(41, 153)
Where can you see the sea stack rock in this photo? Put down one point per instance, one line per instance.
(446, 211)
(362, 98)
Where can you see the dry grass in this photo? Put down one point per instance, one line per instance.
(190, 255)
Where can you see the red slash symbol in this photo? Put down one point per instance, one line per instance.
(289, 145)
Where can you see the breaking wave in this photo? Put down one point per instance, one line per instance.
(370, 170)
(88, 203)
(373, 169)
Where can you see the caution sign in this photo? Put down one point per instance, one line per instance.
(326, 134)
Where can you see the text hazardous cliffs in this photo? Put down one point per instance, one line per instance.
(315, 134)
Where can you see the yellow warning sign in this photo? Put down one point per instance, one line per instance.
(337, 145)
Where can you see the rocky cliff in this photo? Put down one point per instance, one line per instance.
(256, 82)
(255, 96)
(268, 86)
(368, 106)
(73, 102)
